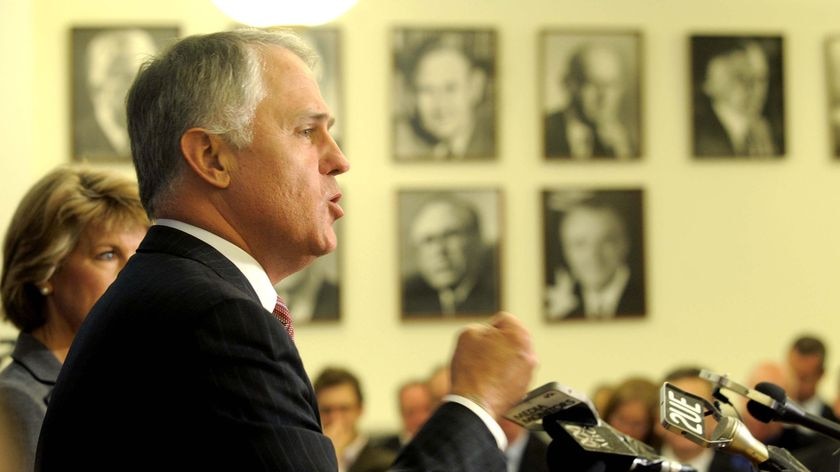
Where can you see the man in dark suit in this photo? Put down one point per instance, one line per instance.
(188, 361)
(453, 117)
(597, 282)
(456, 271)
(732, 114)
(591, 126)
(806, 364)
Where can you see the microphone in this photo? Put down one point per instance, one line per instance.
(581, 441)
(783, 410)
(684, 413)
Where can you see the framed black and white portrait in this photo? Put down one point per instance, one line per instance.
(327, 41)
(105, 61)
(832, 61)
(590, 85)
(314, 294)
(444, 95)
(594, 254)
(449, 252)
(737, 97)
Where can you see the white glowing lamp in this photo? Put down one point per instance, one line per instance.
(261, 13)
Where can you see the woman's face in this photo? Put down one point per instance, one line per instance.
(88, 270)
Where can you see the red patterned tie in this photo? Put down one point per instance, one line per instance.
(281, 312)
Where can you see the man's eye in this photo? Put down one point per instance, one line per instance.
(308, 132)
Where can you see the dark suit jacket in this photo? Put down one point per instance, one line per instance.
(179, 367)
(631, 303)
(556, 143)
(711, 138)
(453, 440)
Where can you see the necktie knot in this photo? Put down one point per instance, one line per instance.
(281, 312)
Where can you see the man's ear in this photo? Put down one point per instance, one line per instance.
(208, 156)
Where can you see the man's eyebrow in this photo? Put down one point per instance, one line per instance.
(317, 116)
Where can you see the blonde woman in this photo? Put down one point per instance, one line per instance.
(70, 236)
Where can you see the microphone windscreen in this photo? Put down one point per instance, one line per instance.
(772, 390)
(764, 413)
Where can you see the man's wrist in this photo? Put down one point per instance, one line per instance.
(477, 406)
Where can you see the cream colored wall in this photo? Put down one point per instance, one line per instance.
(741, 256)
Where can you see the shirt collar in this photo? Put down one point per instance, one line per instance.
(250, 268)
(604, 302)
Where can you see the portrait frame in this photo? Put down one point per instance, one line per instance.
(832, 68)
(104, 61)
(467, 262)
(441, 110)
(611, 286)
(314, 293)
(737, 96)
(327, 42)
(567, 59)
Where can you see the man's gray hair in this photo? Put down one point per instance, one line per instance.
(209, 81)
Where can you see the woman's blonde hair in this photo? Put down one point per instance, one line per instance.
(47, 225)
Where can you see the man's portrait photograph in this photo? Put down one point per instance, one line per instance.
(104, 62)
(449, 253)
(444, 104)
(832, 61)
(594, 254)
(737, 96)
(313, 294)
(590, 85)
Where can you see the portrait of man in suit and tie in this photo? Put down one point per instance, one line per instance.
(590, 90)
(832, 57)
(449, 255)
(738, 96)
(594, 254)
(105, 62)
(444, 95)
(313, 293)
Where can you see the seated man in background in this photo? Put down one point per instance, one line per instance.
(416, 405)
(341, 404)
(526, 451)
(687, 452)
(806, 361)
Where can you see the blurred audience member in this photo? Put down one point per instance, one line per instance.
(341, 404)
(526, 452)
(416, 405)
(811, 449)
(440, 383)
(767, 371)
(71, 234)
(632, 409)
(806, 360)
(601, 397)
(683, 450)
